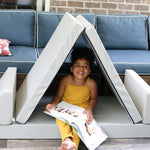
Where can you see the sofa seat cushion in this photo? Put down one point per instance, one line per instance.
(23, 58)
(123, 31)
(137, 60)
(65, 68)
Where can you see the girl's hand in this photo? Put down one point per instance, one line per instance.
(49, 107)
(89, 114)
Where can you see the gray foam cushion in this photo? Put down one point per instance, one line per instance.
(7, 95)
(46, 67)
(139, 91)
(109, 71)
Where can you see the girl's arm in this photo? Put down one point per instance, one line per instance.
(93, 100)
(60, 92)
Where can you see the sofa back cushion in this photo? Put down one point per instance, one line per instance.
(18, 26)
(47, 23)
(123, 31)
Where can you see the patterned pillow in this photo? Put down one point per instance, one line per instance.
(4, 47)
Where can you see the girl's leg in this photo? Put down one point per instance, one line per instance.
(65, 129)
(75, 138)
(67, 136)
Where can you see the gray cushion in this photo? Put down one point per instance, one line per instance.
(123, 31)
(139, 90)
(109, 71)
(18, 26)
(46, 67)
(108, 113)
(7, 95)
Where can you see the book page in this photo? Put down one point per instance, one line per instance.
(91, 134)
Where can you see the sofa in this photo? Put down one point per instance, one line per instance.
(126, 39)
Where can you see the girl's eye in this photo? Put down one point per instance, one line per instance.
(85, 67)
(77, 65)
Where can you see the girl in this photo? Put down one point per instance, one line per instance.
(78, 89)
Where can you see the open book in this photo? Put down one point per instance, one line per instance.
(91, 134)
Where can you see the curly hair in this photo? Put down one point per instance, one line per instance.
(83, 52)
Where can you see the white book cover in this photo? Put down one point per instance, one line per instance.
(91, 134)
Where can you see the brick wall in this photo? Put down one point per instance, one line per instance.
(102, 6)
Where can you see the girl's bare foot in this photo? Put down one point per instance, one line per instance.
(67, 145)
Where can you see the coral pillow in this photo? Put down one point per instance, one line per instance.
(4, 47)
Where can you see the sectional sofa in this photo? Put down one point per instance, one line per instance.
(126, 39)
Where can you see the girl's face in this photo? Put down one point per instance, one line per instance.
(81, 69)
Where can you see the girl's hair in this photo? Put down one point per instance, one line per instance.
(83, 52)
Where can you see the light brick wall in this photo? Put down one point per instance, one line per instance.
(102, 6)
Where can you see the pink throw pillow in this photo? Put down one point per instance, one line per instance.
(4, 47)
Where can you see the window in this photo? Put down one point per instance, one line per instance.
(18, 4)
